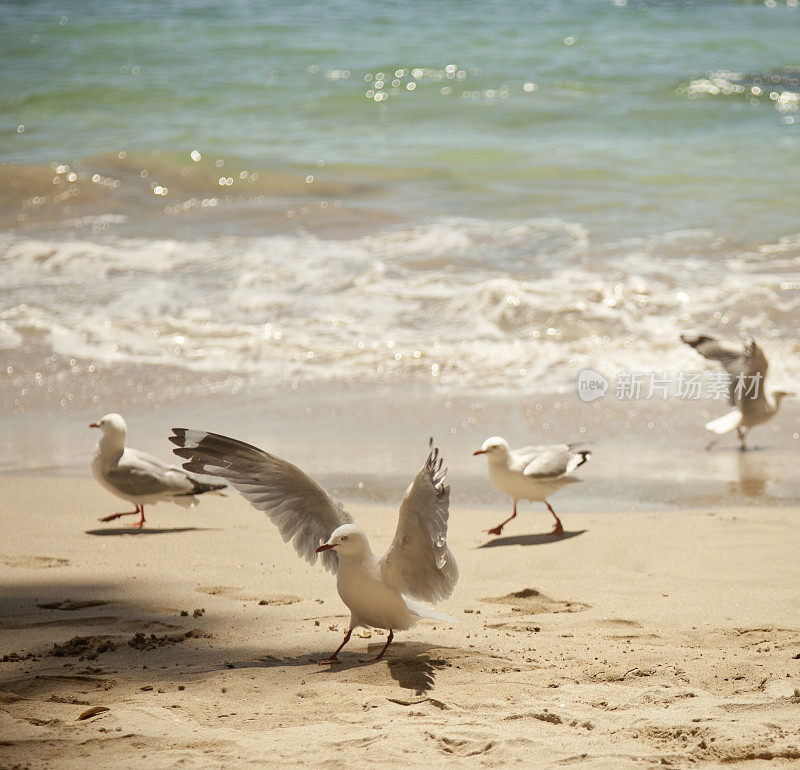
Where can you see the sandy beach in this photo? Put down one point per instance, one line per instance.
(332, 231)
(639, 639)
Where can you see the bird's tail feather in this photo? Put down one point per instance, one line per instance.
(725, 423)
(189, 499)
(424, 611)
(203, 486)
(578, 459)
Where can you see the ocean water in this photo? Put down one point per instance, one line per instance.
(464, 198)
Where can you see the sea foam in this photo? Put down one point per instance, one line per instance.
(463, 304)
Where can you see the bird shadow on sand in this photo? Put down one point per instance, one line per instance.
(417, 673)
(541, 538)
(116, 531)
(409, 664)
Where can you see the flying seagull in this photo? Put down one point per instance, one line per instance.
(138, 477)
(747, 367)
(531, 473)
(381, 592)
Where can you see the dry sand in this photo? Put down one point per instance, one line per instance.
(640, 639)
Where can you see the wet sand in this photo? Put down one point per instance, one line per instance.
(360, 442)
(640, 639)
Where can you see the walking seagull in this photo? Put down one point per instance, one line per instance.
(747, 368)
(383, 592)
(138, 477)
(531, 473)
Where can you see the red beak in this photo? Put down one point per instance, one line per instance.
(478, 452)
(93, 425)
(323, 547)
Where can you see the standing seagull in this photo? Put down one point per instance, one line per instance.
(138, 477)
(531, 473)
(747, 368)
(379, 592)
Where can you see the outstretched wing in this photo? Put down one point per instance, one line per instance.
(748, 362)
(294, 502)
(728, 354)
(755, 362)
(552, 464)
(418, 562)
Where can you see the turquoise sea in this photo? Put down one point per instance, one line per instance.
(628, 117)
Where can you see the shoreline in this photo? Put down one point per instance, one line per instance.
(362, 443)
(638, 640)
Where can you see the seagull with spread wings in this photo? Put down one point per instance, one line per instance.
(381, 592)
(531, 473)
(747, 370)
(138, 477)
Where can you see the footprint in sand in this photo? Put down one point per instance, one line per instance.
(761, 638)
(240, 595)
(33, 562)
(462, 744)
(529, 601)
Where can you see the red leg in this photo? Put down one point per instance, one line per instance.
(332, 658)
(141, 521)
(499, 528)
(117, 515)
(558, 530)
(742, 438)
(388, 642)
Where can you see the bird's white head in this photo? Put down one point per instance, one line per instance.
(112, 425)
(347, 540)
(496, 446)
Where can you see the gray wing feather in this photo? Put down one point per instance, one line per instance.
(294, 502)
(527, 454)
(140, 474)
(755, 362)
(418, 562)
(754, 374)
(735, 360)
(553, 464)
(726, 353)
(138, 481)
(548, 465)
